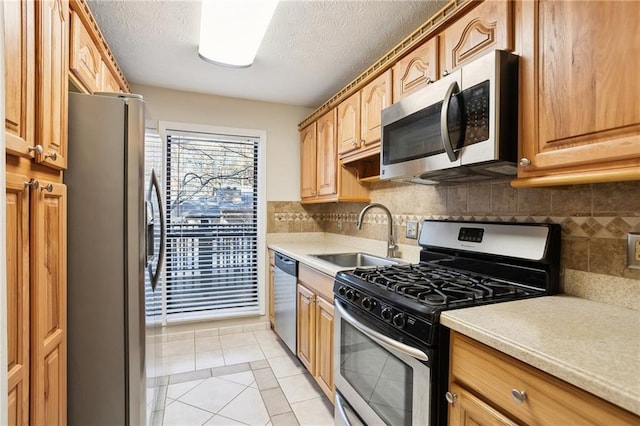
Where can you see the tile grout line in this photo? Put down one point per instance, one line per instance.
(206, 373)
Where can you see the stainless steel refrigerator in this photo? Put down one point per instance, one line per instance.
(113, 250)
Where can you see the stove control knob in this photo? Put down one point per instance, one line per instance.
(352, 295)
(368, 303)
(399, 320)
(386, 314)
(342, 290)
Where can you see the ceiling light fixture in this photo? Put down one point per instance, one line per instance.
(231, 30)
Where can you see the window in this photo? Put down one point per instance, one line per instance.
(211, 203)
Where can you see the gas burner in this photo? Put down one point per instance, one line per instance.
(436, 285)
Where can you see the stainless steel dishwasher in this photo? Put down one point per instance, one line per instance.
(284, 299)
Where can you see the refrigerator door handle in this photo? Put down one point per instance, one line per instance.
(154, 276)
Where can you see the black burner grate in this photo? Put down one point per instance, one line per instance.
(435, 285)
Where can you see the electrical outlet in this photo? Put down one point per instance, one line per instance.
(339, 226)
(633, 250)
(412, 230)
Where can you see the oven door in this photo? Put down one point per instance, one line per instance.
(378, 379)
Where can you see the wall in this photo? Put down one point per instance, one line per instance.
(595, 220)
(280, 122)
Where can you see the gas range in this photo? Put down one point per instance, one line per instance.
(462, 264)
(391, 355)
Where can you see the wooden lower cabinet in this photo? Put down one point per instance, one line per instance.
(306, 328)
(36, 300)
(272, 266)
(315, 326)
(17, 226)
(324, 345)
(488, 387)
(48, 304)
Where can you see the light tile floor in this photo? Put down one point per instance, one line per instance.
(246, 378)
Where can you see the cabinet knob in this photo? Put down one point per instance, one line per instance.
(354, 143)
(32, 184)
(48, 188)
(445, 73)
(524, 162)
(451, 397)
(38, 149)
(518, 396)
(53, 155)
(429, 81)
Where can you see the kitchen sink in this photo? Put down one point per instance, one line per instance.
(355, 260)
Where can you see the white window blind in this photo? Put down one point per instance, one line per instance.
(212, 236)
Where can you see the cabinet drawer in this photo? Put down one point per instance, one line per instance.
(493, 376)
(317, 281)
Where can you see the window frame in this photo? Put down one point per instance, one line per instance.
(165, 127)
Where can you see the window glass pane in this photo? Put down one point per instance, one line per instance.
(211, 203)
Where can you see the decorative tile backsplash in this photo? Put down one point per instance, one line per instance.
(595, 219)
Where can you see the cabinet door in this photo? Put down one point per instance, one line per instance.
(308, 163)
(306, 328)
(374, 98)
(48, 305)
(52, 45)
(108, 82)
(324, 346)
(271, 289)
(486, 27)
(416, 70)
(84, 58)
(349, 124)
(17, 216)
(583, 89)
(469, 410)
(19, 72)
(327, 159)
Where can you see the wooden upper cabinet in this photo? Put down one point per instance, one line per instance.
(108, 83)
(18, 311)
(308, 163)
(52, 44)
(349, 124)
(374, 97)
(416, 70)
(49, 304)
(19, 63)
(486, 27)
(85, 61)
(580, 113)
(326, 155)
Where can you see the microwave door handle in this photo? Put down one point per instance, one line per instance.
(379, 337)
(444, 126)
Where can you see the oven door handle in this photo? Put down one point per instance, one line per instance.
(379, 337)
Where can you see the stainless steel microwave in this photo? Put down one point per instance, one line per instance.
(463, 127)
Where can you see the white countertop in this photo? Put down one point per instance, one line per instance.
(301, 246)
(592, 345)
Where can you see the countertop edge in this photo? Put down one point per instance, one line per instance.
(611, 392)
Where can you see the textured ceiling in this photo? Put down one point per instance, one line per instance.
(311, 50)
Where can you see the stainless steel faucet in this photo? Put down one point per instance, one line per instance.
(391, 244)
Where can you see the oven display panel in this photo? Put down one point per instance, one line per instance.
(473, 235)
